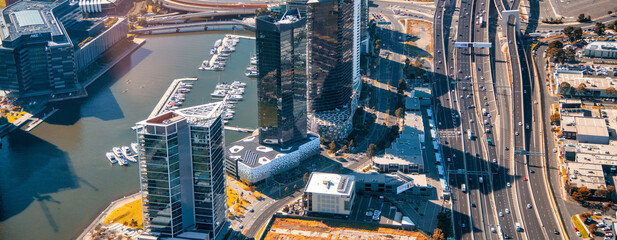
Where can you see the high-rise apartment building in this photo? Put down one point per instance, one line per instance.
(181, 172)
(281, 83)
(333, 69)
(36, 53)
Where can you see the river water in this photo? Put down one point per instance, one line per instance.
(55, 179)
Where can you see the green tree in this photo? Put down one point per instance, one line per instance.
(573, 33)
(438, 234)
(599, 29)
(399, 112)
(610, 91)
(344, 148)
(556, 118)
(402, 86)
(564, 87)
(581, 194)
(582, 88)
(555, 44)
(332, 146)
(370, 152)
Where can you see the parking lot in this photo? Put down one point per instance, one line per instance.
(364, 204)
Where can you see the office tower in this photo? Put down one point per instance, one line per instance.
(364, 22)
(333, 69)
(297, 4)
(281, 83)
(36, 54)
(181, 171)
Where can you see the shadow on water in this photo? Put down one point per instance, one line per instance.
(101, 102)
(47, 164)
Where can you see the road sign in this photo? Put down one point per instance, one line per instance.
(473, 44)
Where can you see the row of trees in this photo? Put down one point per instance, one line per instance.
(583, 194)
(583, 18)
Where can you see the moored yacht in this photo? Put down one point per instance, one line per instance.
(111, 157)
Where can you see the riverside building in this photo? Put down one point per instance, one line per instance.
(36, 53)
(333, 69)
(181, 172)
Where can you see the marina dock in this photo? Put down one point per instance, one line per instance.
(239, 129)
(219, 50)
(167, 96)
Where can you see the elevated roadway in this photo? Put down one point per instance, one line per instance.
(204, 14)
(177, 27)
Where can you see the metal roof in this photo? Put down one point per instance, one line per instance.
(28, 18)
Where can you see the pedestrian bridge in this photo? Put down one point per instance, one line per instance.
(204, 25)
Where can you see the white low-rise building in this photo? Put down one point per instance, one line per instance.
(329, 193)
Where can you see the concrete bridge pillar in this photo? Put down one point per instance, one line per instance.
(177, 29)
(233, 28)
(205, 28)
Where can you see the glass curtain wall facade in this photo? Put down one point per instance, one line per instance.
(330, 25)
(181, 166)
(207, 147)
(159, 161)
(281, 54)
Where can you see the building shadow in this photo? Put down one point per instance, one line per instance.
(101, 102)
(31, 170)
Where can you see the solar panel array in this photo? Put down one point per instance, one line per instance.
(250, 158)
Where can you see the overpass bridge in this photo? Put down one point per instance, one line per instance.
(203, 25)
(204, 14)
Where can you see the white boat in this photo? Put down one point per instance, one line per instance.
(236, 97)
(228, 116)
(224, 54)
(251, 68)
(223, 86)
(201, 68)
(186, 85)
(135, 148)
(218, 68)
(251, 74)
(218, 43)
(236, 92)
(219, 93)
(173, 107)
(119, 156)
(225, 122)
(127, 151)
(111, 157)
(254, 62)
(212, 51)
(238, 83)
(128, 154)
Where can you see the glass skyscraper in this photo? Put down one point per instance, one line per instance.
(281, 53)
(333, 53)
(181, 171)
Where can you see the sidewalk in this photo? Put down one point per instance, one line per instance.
(112, 206)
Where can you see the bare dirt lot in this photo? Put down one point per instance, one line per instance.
(284, 228)
(421, 42)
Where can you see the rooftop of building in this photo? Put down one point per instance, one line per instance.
(575, 78)
(330, 183)
(602, 45)
(422, 92)
(28, 18)
(591, 126)
(588, 175)
(200, 115)
(250, 152)
(406, 149)
(594, 154)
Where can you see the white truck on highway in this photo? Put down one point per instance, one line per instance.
(463, 188)
(469, 134)
(484, 111)
(518, 227)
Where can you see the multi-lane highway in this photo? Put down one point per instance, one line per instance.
(467, 77)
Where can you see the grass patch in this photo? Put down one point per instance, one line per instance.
(13, 116)
(129, 215)
(580, 226)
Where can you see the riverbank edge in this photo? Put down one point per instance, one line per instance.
(112, 206)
